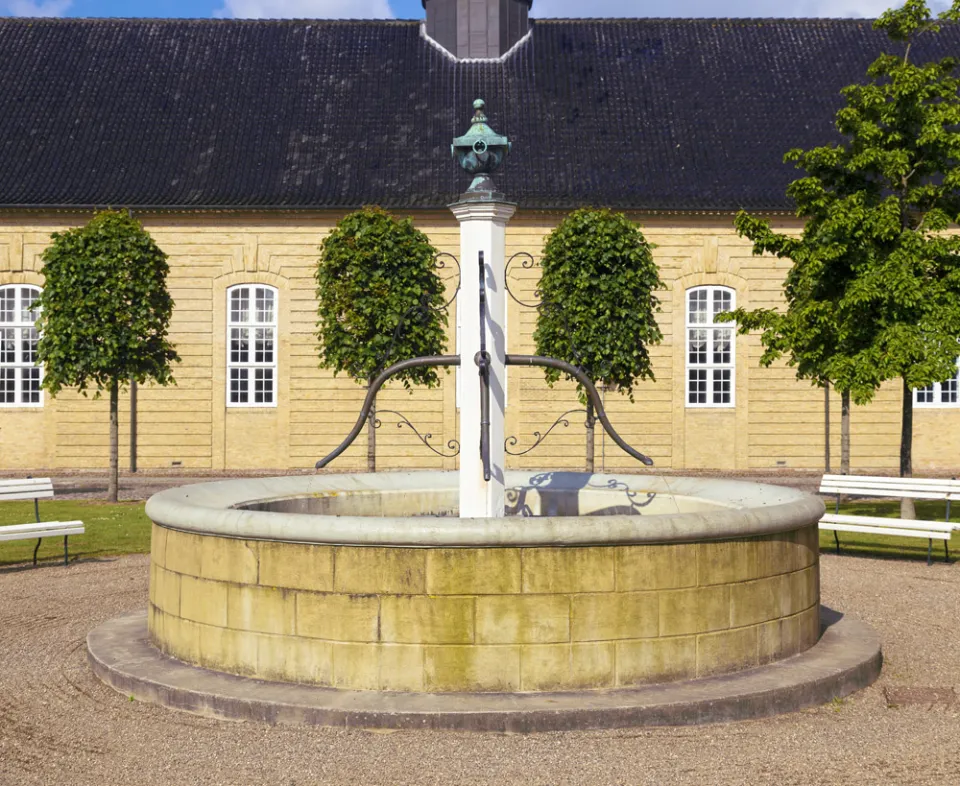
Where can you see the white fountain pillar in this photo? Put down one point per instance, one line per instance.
(483, 227)
(483, 213)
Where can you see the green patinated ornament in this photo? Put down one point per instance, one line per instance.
(480, 152)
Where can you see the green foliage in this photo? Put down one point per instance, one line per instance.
(105, 309)
(874, 293)
(375, 271)
(597, 288)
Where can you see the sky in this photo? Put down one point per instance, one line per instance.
(412, 9)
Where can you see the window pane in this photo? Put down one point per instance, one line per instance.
(30, 385)
(8, 345)
(8, 304)
(263, 348)
(721, 386)
(239, 345)
(28, 345)
(721, 346)
(263, 386)
(948, 392)
(239, 386)
(698, 307)
(698, 386)
(240, 305)
(28, 299)
(264, 305)
(925, 395)
(698, 347)
(722, 301)
(8, 385)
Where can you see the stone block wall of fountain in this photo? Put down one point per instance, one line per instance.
(698, 577)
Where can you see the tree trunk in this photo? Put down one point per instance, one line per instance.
(907, 508)
(845, 432)
(133, 425)
(113, 483)
(372, 436)
(826, 427)
(590, 426)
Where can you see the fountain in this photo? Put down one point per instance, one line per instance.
(485, 598)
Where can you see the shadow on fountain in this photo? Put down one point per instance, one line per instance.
(573, 494)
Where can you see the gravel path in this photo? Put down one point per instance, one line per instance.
(59, 725)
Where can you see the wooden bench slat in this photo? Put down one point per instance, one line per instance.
(855, 481)
(26, 482)
(36, 525)
(25, 495)
(880, 522)
(891, 479)
(935, 496)
(52, 529)
(906, 533)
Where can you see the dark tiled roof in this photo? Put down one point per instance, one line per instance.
(649, 114)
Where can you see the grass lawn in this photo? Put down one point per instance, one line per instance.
(125, 529)
(110, 529)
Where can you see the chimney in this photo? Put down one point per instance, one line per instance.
(477, 28)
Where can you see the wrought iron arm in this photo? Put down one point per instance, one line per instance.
(591, 390)
(396, 368)
(482, 359)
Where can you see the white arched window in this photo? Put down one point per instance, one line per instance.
(20, 375)
(252, 346)
(940, 394)
(710, 347)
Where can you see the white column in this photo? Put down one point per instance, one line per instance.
(482, 228)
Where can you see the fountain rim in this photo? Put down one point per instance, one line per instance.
(746, 510)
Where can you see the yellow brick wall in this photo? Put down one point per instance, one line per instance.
(777, 421)
(475, 619)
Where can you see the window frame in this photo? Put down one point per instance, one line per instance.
(18, 326)
(711, 327)
(252, 324)
(936, 391)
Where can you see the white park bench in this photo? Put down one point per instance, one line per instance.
(35, 489)
(874, 486)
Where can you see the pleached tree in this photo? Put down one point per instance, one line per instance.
(379, 302)
(599, 307)
(105, 314)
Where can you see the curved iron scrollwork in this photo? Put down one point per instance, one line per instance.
(420, 311)
(563, 420)
(440, 264)
(527, 263)
(452, 444)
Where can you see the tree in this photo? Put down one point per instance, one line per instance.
(598, 304)
(880, 203)
(105, 312)
(807, 332)
(379, 301)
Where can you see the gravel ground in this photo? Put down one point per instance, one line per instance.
(59, 725)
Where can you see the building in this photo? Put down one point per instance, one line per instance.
(240, 143)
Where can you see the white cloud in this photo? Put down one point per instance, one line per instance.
(42, 8)
(717, 8)
(306, 9)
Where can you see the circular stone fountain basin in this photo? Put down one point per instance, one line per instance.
(372, 582)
